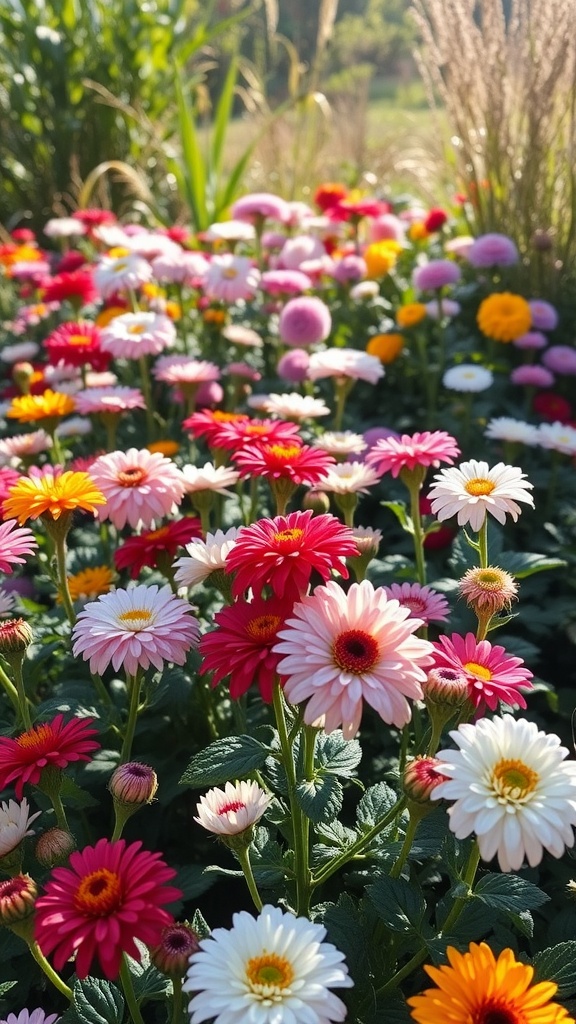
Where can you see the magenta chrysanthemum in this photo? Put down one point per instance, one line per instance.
(282, 552)
(140, 487)
(241, 645)
(56, 743)
(297, 462)
(345, 648)
(15, 541)
(135, 628)
(111, 895)
(430, 448)
(491, 673)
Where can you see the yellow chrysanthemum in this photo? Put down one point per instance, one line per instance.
(90, 583)
(479, 988)
(49, 405)
(411, 314)
(167, 448)
(386, 347)
(173, 310)
(52, 495)
(109, 314)
(504, 316)
(22, 254)
(417, 231)
(380, 257)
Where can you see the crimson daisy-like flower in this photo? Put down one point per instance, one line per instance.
(235, 434)
(282, 552)
(291, 460)
(241, 645)
(76, 285)
(430, 448)
(77, 343)
(111, 895)
(207, 423)
(491, 673)
(15, 541)
(152, 547)
(56, 743)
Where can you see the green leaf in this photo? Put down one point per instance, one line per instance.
(320, 798)
(398, 903)
(70, 792)
(526, 563)
(224, 760)
(509, 892)
(193, 881)
(200, 925)
(375, 803)
(557, 963)
(151, 984)
(223, 116)
(193, 170)
(5, 986)
(267, 859)
(95, 1002)
(399, 510)
(337, 755)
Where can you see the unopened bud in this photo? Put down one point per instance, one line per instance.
(15, 636)
(134, 784)
(17, 899)
(446, 688)
(22, 374)
(54, 847)
(317, 502)
(421, 776)
(177, 944)
(488, 591)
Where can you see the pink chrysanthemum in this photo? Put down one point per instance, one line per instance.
(140, 487)
(282, 552)
(111, 895)
(492, 674)
(305, 321)
(135, 628)
(15, 541)
(345, 648)
(258, 206)
(297, 462)
(184, 370)
(156, 548)
(109, 401)
(231, 278)
(55, 743)
(22, 446)
(241, 645)
(430, 448)
(422, 602)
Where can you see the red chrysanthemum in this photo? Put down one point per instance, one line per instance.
(283, 551)
(208, 422)
(328, 194)
(393, 454)
(354, 209)
(77, 343)
(435, 219)
(235, 434)
(76, 285)
(290, 460)
(92, 217)
(110, 895)
(153, 547)
(491, 673)
(56, 743)
(552, 407)
(241, 646)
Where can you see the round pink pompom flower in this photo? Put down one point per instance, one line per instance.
(111, 895)
(305, 321)
(560, 359)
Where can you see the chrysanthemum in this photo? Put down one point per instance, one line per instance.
(422, 602)
(504, 316)
(154, 548)
(488, 589)
(544, 315)
(411, 314)
(532, 375)
(492, 674)
(505, 428)
(231, 810)
(386, 347)
(15, 541)
(76, 344)
(140, 487)
(343, 648)
(285, 281)
(282, 552)
(468, 377)
(299, 463)
(237, 432)
(241, 645)
(89, 583)
(393, 454)
(257, 206)
(268, 969)
(204, 557)
(560, 359)
(512, 787)
(56, 742)
(349, 478)
(117, 273)
(15, 821)
(133, 335)
(111, 895)
(340, 443)
(559, 437)
(135, 628)
(472, 489)
(53, 495)
(217, 479)
(493, 250)
(184, 370)
(230, 278)
(108, 400)
(22, 446)
(304, 321)
(479, 987)
(7, 601)
(294, 406)
(345, 362)
(37, 1016)
(50, 405)
(436, 274)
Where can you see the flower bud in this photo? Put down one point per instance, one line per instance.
(421, 776)
(54, 847)
(15, 636)
(445, 687)
(177, 944)
(317, 501)
(22, 374)
(488, 591)
(133, 784)
(17, 899)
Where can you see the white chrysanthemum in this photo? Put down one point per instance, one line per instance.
(340, 442)
(349, 478)
(512, 787)
(505, 428)
(468, 377)
(364, 290)
(273, 969)
(75, 426)
(133, 335)
(180, 267)
(557, 436)
(64, 227)
(204, 557)
(21, 352)
(293, 406)
(115, 273)
(230, 231)
(472, 489)
(15, 819)
(210, 478)
(345, 362)
(233, 809)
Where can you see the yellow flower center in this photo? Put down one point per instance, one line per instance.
(78, 339)
(355, 651)
(289, 536)
(479, 486)
(263, 627)
(513, 780)
(229, 273)
(478, 670)
(135, 619)
(136, 329)
(99, 893)
(286, 452)
(269, 972)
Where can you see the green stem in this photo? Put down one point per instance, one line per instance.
(176, 1000)
(468, 879)
(130, 995)
(59, 811)
(147, 392)
(395, 980)
(359, 845)
(49, 971)
(134, 687)
(63, 590)
(244, 858)
(483, 544)
(11, 691)
(22, 698)
(301, 868)
(413, 823)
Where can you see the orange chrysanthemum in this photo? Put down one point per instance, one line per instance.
(411, 314)
(49, 405)
(386, 347)
(51, 494)
(480, 988)
(380, 257)
(504, 316)
(167, 448)
(91, 582)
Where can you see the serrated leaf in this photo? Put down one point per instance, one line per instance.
(200, 925)
(337, 755)
(557, 963)
(525, 563)
(96, 1001)
(398, 903)
(509, 892)
(375, 804)
(78, 797)
(225, 760)
(5, 986)
(151, 984)
(320, 798)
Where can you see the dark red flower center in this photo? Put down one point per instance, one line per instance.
(491, 1014)
(99, 893)
(355, 651)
